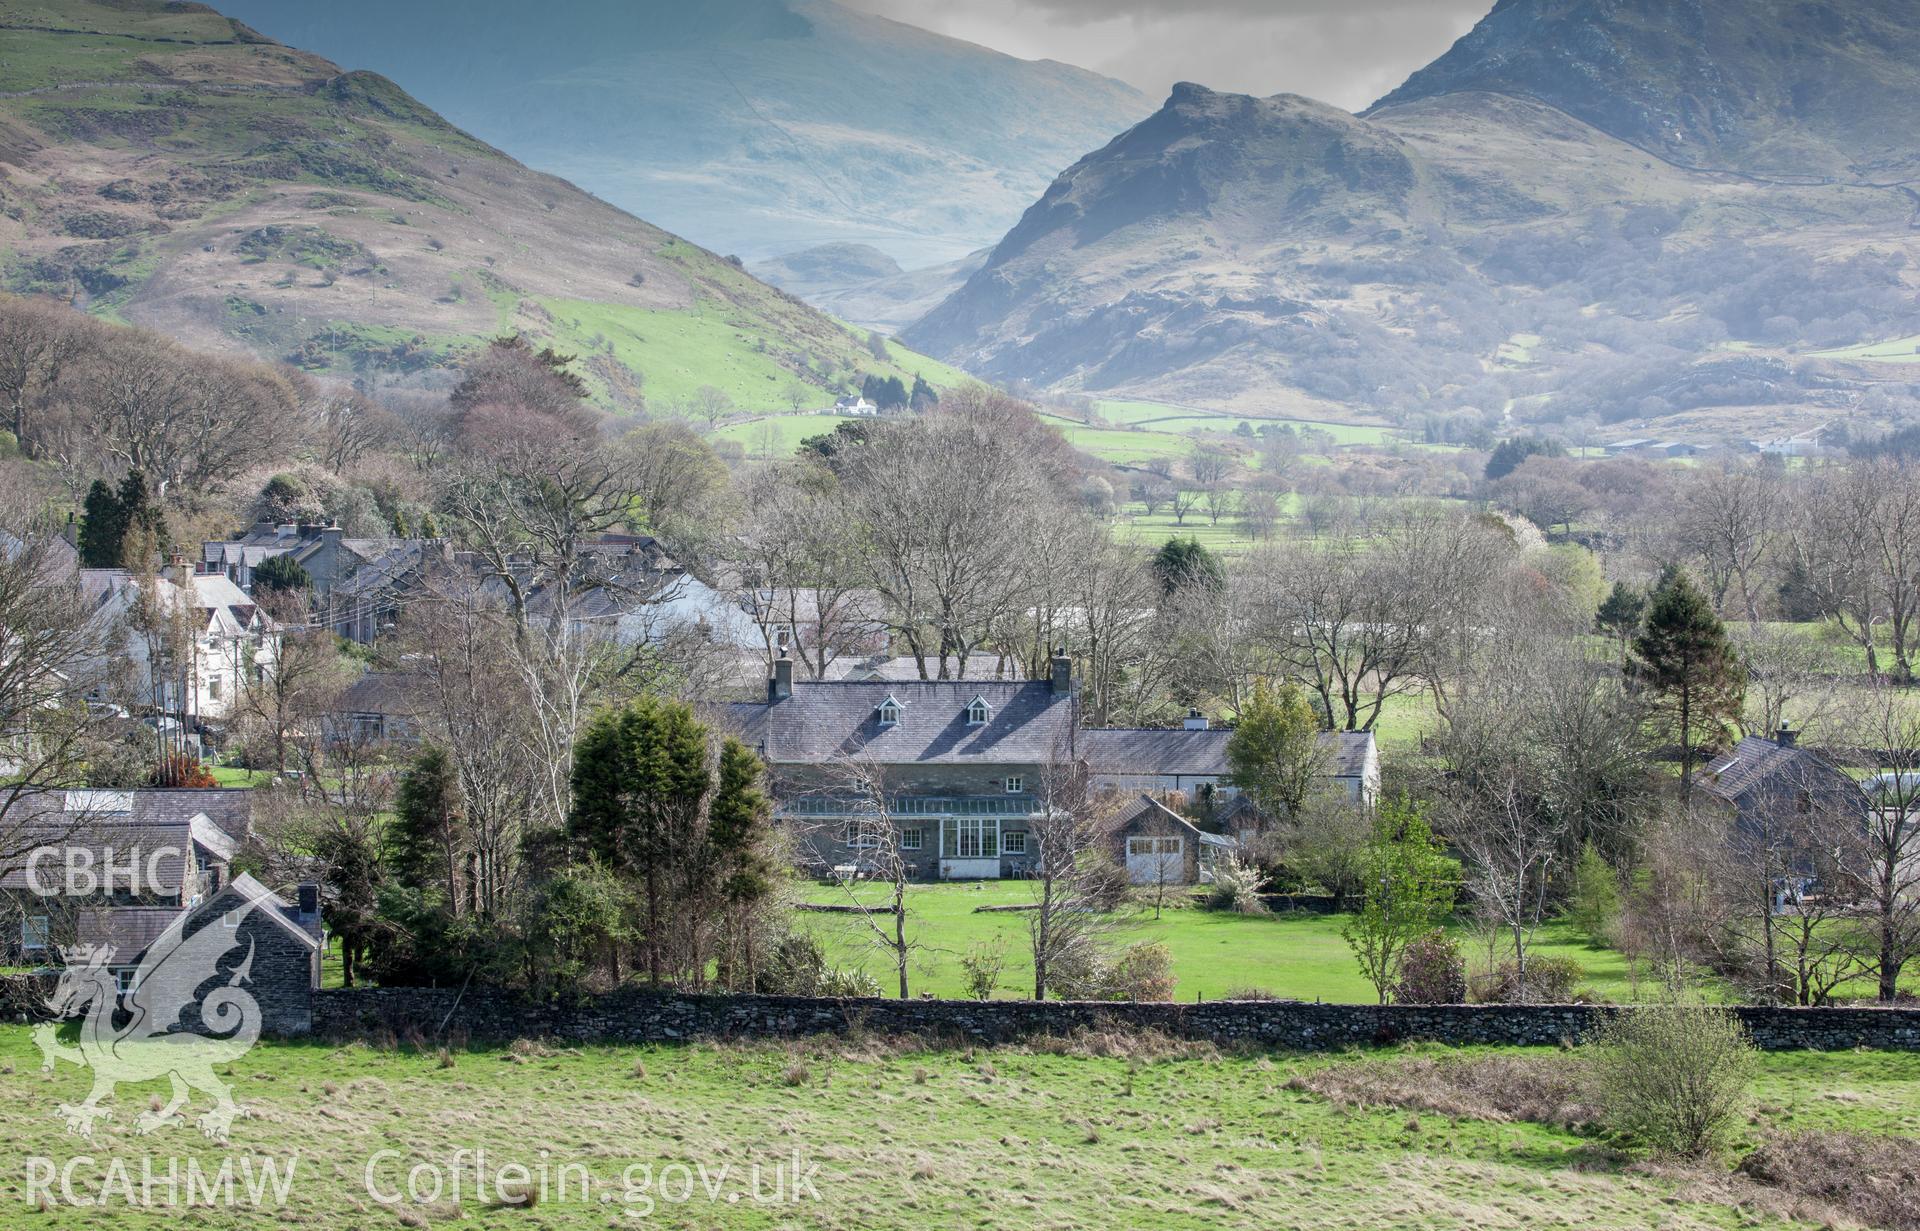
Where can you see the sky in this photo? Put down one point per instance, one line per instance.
(1345, 52)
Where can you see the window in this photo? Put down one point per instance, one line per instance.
(1153, 846)
(34, 930)
(979, 712)
(213, 687)
(1014, 842)
(1016, 785)
(860, 837)
(124, 980)
(911, 839)
(889, 712)
(971, 837)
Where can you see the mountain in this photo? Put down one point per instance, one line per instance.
(166, 165)
(863, 285)
(1514, 230)
(757, 127)
(1774, 87)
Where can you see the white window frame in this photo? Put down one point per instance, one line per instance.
(1016, 784)
(970, 837)
(913, 839)
(32, 926)
(1013, 842)
(123, 980)
(889, 713)
(979, 713)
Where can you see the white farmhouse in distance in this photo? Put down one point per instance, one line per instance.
(234, 642)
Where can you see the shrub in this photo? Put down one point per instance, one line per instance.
(1550, 980)
(1672, 1077)
(1144, 972)
(797, 967)
(1139, 972)
(849, 984)
(1236, 887)
(178, 770)
(1431, 972)
(983, 964)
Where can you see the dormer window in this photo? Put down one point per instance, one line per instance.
(978, 712)
(889, 712)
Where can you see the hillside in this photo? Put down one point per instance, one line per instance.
(756, 127)
(165, 165)
(1456, 254)
(1774, 87)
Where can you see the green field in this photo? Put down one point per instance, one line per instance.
(1899, 350)
(677, 352)
(773, 437)
(1296, 956)
(890, 1135)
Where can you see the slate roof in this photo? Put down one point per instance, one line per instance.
(1756, 762)
(158, 845)
(230, 809)
(1151, 807)
(824, 722)
(379, 692)
(1202, 753)
(903, 669)
(129, 929)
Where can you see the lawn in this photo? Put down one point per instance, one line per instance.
(888, 1136)
(1298, 956)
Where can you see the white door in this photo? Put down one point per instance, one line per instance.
(1156, 861)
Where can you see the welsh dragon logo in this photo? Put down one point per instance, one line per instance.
(154, 1042)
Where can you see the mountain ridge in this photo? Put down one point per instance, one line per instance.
(1457, 252)
(169, 166)
(762, 127)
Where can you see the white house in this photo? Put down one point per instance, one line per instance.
(234, 643)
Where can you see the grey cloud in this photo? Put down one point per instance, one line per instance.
(1345, 52)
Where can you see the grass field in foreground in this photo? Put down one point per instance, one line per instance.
(1006, 1139)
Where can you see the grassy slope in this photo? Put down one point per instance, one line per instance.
(1008, 1139)
(425, 241)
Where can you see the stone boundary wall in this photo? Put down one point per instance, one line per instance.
(637, 1016)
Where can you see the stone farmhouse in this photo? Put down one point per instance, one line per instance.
(962, 767)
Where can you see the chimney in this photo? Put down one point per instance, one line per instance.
(780, 686)
(1786, 736)
(175, 569)
(73, 531)
(1062, 672)
(307, 900)
(330, 534)
(1196, 721)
